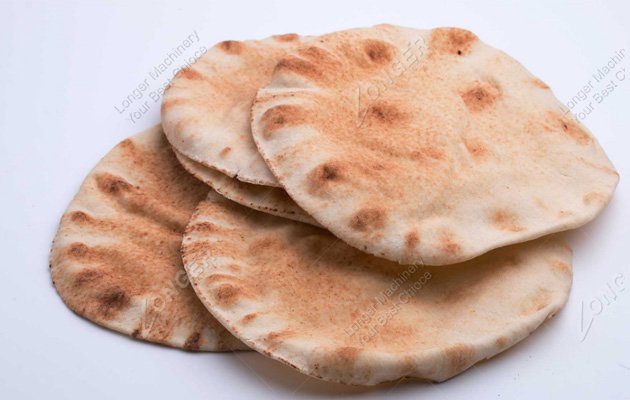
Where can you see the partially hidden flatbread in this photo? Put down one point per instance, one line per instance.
(116, 256)
(267, 199)
(299, 295)
(206, 108)
(426, 146)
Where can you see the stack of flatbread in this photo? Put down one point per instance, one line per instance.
(364, 206)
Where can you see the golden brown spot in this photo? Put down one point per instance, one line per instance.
(539, 84)
(561, 266)
(476, 148)
(593, 197)
(368, 219)
(377, 51)
(411, 240)
(501, 342)
(188, 73)
(78, 250)
(540, 301)
(279, 117)
(565, 213)
(287, 37)
(299, 66)
(460, 357)
(451, 41)
(112, 300)
(273, 339)
(447, 243)
(231, 46)
(225, 151)
(249, 318)
(87, 277)
(262, 244)
(559, 123)
(506, 221)
(480, 96)
(226, 294)
(193, 342)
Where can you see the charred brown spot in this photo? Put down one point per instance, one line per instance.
(411, 240)
(226, 294)
(368, 219)
(385, 114)
(189, 73)
(136, 333)
(225, 151)
(193, 342)
(480, 96)
(112, 300)
(476, 148)
(451, 41)
(377, 51)
(506, 221)
(112, 184)
(321, 177)
(460, 357)
(79, 217)
(287, 37)
(231, 46)
(280, 116)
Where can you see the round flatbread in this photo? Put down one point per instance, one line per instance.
(267, 199)
(206, 108)
(116, 257)
(299, 295)
(426, 146)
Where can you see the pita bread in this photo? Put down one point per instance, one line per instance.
(206, 108)
(426, 146)
(267, 199)
(115, 259)
(301, 296)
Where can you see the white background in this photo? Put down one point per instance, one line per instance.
(65, 65)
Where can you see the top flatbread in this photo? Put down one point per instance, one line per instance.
(206, 108)
(426, 146)
(115, 259)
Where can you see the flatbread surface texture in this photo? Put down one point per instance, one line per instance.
(206, 107)
(116, 257)
(426, 146)
(299, 295)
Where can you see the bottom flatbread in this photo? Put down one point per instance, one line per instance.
(301, 296)
(116, 257)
